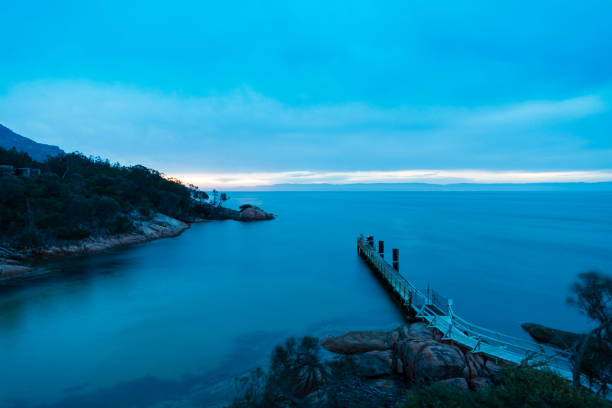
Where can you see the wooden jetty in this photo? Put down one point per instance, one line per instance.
(438, 312)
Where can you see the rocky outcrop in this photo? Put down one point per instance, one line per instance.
(373, 364)
(254, 214)
(359, 342)
(159, 226)
(414, 353)
(247, 212)
(431, 361)
(364, 341)
(369, 369)
(558, 338)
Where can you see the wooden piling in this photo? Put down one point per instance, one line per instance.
(396, 259)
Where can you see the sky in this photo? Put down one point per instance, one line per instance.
(248, 93)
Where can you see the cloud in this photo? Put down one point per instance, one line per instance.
(245, 131)
(537, 111)
(232, 180)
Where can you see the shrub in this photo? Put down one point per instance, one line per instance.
(514, 387)
(76, 196)
(66, 233)
(295, 371)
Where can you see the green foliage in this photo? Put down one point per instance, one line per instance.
(17, 159)
(515, 387)
(76, 197)
(591, 294)
(295, 371)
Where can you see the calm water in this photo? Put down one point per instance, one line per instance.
(176, 319)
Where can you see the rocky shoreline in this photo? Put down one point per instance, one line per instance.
(365, 369)
(414, 353)
(13, 264)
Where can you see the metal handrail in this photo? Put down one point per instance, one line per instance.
(478, 333)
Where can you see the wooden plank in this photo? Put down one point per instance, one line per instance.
(436, 317)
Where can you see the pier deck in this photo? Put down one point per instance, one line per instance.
(437, 311)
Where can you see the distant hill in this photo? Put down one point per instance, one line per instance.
(572, 186)
(37, 151)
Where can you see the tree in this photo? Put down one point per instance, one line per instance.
(218, 198)
(215, 198)
(592, 296)
(295, 371)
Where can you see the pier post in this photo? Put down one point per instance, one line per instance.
(371, 241)
(381, 248)
(396, 259)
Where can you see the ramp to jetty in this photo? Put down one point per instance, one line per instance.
(438, 312)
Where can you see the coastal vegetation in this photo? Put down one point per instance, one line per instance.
(591, 294)
(591, 352)
(74, 197)
(513, 387)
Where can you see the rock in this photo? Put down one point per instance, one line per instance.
(8, 254)
(358, 342)
(475, 365)
(554, 337)
(420, 331)
(255, 214)
(491, 367)
(455, 382)
(10, 270)
(374, 363)
(428, 359)
(407, 350)
(480, 382)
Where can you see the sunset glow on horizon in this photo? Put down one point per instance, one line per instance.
(443, 177)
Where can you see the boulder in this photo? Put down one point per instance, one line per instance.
(428, 359)
(475, 365)
(490, 367)
(455, 382)
(420, 331)
(358, 342)
(255, 214)
(374, 363)
(554, 337)
(480, 382)
(364, 341)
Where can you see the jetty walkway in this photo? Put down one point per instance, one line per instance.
(438, 312)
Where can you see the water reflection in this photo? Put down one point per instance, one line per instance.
(64, 281)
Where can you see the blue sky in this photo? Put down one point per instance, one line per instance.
(228, 90)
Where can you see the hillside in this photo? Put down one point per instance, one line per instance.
(37, 151)
(73, 197)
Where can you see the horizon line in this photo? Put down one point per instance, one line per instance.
(434, 177)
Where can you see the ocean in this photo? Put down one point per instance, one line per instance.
(174, 321)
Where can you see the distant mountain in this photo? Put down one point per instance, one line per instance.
(577, 186)
(37, 151)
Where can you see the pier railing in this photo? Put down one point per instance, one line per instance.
(438, 312)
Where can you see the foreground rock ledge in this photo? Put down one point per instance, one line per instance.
(413, 354)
